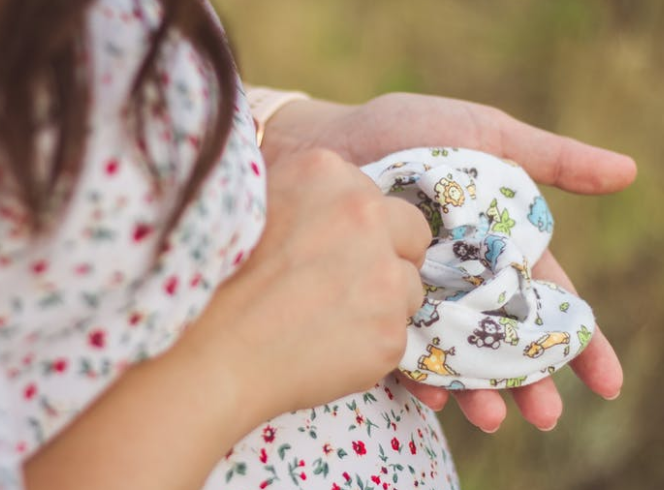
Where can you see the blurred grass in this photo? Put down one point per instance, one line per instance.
(593, 70)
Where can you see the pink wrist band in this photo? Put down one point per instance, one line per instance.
(265, 102)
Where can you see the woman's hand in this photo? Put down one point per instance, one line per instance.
(319, 311)
(365, 133)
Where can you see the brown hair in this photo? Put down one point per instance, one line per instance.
(41, 43)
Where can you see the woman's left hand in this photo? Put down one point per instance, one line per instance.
(393, 122)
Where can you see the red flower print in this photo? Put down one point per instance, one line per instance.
(263, 456)
(385, 485)
(196, 280)
(194, 141)
(112, 167)
(117, 277)
(359, 419)
(121, 366)
(300, 463)
(255, 169)
(39, 267)
(135, 318)
(21, 447)
(109, 12)
(171, 285)
(383, 470)
(359, 448)
(395, 444)
(346, 476)
(375, 479)
(389, 393)
(269, 433)
(303, 476)
(238, 258)
(413, 449)
(166, 135)
(264, 484)
(30, 391)
(83, 269)
(59, 365)
(327, 448)
(97, 339)
(335, 487)
(141, 230)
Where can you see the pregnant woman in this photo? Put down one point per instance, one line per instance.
(171, 310)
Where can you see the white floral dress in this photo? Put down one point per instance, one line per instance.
(80, 306)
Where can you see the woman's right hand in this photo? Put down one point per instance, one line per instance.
(320, 309)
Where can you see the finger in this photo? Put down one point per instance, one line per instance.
(433, 397)
(411, 277)
(599, 368)
(547, 268)
(598, 365)
(321, 168)
(410, 232)
(539, 403)
(563, 162)
(485, 409)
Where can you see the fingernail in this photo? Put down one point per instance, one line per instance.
(613, 397)
(549, 428)
(489, 431)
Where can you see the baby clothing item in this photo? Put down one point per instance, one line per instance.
(485, 323)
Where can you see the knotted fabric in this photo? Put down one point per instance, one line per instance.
(485, 323)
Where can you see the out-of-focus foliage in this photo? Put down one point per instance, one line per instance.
(593, 70)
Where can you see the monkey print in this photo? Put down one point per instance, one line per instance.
(489, 334)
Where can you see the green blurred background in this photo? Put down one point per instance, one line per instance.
(593, 70)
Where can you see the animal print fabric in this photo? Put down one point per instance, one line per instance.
(485, 323)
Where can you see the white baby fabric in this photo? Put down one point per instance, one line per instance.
(485, 323)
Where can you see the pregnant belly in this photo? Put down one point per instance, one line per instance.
(381, 439)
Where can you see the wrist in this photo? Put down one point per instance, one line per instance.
(264, 102)
(214, 386)
(288, 122)
(218, 354)
(303, 125)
